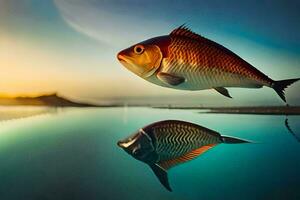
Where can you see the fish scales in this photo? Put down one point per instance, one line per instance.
(194, 59)
(173, 140)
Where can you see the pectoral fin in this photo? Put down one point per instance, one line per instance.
(162, 175)
(223, 91)
(170, 78)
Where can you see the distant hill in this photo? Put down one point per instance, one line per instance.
(43, 100)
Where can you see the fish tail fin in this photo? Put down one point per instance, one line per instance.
(233, 140)
(279, 86)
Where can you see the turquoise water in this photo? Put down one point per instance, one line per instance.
(72, 154)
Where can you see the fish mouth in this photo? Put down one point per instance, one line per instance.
(127, 62)
(120, 144)
(123, 144)
(121, 58)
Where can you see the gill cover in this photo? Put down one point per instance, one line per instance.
(144, 150)
(140, 146)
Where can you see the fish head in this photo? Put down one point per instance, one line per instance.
(140, 146)
(143, 58)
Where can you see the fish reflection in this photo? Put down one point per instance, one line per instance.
(165, 144)
(287, 125)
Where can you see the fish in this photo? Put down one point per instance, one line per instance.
(165, 144)
(185, 60)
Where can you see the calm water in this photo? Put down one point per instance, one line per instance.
(72, 154)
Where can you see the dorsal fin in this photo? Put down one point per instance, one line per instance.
(189, 156)
(184, 31)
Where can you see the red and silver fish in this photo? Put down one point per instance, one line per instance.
(187, 61)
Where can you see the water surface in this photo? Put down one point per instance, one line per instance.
(72, 154)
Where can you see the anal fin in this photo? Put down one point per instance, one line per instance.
(170, 78)
(167, 164)
(223, 91)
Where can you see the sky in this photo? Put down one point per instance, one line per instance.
(70, 46)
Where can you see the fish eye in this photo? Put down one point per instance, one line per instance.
(139, 49)
(136, 152)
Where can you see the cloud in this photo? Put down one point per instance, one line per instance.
(114, 22)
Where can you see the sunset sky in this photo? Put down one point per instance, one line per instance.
(70, 46)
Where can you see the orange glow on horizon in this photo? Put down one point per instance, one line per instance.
(29, 95)
(31, 70)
